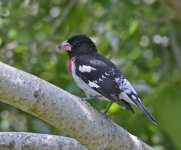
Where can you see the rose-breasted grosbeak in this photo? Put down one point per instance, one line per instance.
(99, 77)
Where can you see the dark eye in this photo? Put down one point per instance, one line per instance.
(76, 43)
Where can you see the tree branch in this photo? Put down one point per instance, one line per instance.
(174, 44)
(22, 140)
(65, 111)
(175, 5)
(62, 17)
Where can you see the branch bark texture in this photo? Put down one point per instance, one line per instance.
(65, 111)
(34, 141)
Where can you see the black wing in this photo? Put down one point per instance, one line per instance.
(103, 75)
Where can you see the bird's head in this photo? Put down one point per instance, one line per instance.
(77, 45)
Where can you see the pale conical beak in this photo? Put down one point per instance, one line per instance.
(65, 45)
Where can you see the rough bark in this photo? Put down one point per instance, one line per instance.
(65, 111)
(34, 141)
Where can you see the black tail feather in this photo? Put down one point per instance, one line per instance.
(126, 105)
(146, 112)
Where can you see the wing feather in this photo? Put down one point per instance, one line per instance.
(102, 75)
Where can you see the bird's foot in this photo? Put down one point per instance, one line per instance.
(110, 104)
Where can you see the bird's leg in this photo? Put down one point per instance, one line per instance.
(90, 97)
(110, 104)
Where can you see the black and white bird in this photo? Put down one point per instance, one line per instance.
(97, 76)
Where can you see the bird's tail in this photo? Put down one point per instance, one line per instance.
(146, 112)
(125, 105)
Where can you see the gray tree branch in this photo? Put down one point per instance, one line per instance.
(65, 111)
(22, 140)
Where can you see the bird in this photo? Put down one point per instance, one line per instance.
(98, 77)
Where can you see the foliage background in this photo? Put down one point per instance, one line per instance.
(141, 36)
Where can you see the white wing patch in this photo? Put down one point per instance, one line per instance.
(93, 84)
(85, 68)
(103, 77)
(107, 74)
(100, 79)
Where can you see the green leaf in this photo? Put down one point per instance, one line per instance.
(133, 27)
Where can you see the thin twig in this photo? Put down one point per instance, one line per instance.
(174, 44)
(60, 19)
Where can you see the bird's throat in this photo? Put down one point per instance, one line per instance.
(69, 64)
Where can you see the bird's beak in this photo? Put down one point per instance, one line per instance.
(65, 45)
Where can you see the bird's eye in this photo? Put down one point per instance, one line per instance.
(76, 43)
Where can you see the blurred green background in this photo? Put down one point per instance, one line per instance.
(141, 36)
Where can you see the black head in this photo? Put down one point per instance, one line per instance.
(78, 44)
